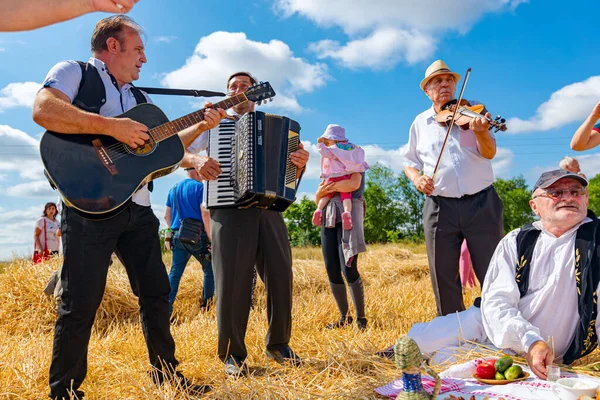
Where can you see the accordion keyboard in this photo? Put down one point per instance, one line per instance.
(220, 191)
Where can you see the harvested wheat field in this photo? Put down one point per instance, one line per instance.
(338, 364)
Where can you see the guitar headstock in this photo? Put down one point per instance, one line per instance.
(260, 93)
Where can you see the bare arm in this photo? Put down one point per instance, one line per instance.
(20, 15)
(53, 110)
(486, 144)
(206, 220)
(586, 137)
(423, 183)
(346, 186)
(211, 119)
(36, 238)
(168, 216)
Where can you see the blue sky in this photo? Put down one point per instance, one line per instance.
(348, 62)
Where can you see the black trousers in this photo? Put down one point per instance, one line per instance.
(333, 256)
(447, 221)
(243, 239)
(87, 248)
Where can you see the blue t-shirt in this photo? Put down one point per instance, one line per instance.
(189, 198)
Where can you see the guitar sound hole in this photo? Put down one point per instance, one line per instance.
(144, 149)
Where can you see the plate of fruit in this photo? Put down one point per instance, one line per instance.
(499, 372)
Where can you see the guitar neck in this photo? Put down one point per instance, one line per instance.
(171, 128)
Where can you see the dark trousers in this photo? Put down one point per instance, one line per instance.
(243, 239)
(87, 248)
(447, 221)
(333, 256)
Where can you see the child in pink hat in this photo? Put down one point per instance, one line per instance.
(339, 160)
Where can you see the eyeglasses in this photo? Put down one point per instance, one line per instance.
(558, 193)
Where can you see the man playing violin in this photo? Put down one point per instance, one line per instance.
(461, 201)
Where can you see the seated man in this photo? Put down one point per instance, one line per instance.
(540, 287)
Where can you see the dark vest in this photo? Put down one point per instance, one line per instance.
(587, 275)
(91, 95)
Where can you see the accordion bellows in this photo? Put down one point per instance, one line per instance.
(254, 156)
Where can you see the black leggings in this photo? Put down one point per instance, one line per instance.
(331, 245)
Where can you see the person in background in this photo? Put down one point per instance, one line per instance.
(184, 201)
(22, 15)
(571, 164)
(46, 235)
(467, 276)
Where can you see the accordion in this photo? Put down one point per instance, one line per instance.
(254, 157)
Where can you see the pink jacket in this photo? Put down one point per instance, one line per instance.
(341, 159)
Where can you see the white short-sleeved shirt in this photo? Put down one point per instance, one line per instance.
(66, 77)
(50, 235)
(462, 169)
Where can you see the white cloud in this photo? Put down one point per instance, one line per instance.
(2, 49)
(16, 235)
(39, 188)
(19, 152)
(502, 162)
(568, 104)
(382, 49)
(165, 39)
(220, 54)
(18, 94)
(411, 28)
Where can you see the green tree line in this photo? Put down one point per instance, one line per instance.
(395, 208)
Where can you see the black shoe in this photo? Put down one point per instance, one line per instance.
(180, 382)
(234, 366)
(284, 355)
(361, 323)
(344, 321)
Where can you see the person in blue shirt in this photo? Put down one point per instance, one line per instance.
(185, 201)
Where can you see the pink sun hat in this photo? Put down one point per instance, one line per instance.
(334, 132)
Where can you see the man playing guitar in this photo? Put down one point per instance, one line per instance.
(117, 56)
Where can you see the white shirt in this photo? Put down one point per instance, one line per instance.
(549, 309)
(49, 235)
(66, 76)
(462, 169)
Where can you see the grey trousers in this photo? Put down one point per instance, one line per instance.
(447, 221)
(242, 239)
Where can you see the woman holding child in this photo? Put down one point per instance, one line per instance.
(340, 213)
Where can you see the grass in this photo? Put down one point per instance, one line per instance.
(339, 364)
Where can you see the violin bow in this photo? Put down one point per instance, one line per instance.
(462, 90)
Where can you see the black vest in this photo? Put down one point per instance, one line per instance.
(587, 275)
(91, 95)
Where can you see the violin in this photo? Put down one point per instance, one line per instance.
(465, 113)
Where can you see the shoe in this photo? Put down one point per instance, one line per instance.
(284, 355)
(234, 366)
(346, 220)
(344, 321)
(316, 219)
(361, 323)
(388, 353)
(181, 383)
